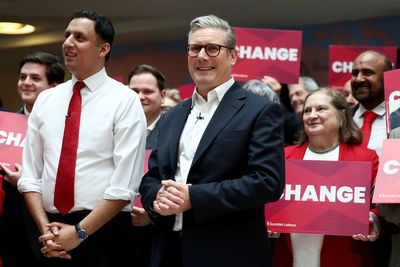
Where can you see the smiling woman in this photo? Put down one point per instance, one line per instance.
(329, 134)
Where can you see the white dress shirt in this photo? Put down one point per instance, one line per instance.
(112, 138)
(378, 130)
(197, 122)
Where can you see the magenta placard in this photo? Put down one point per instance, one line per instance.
(12, 137)
(322, 197)
(387, 184)
(341, 59)
(392, 98)
(275, 53)
(186, 90)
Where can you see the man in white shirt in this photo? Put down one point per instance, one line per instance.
(38, 71)
(109, 157)
(220, 160)
(368, 88)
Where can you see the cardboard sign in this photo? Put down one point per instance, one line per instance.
(341, 58)
(12, 137)
(392, 98)
(387, 183)
(275, 53)
(322, 197)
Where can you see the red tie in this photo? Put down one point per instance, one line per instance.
(64, 191)
(369, 117)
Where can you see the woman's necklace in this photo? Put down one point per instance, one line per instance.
(323, 151)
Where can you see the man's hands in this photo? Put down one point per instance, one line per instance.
(11, 176)
(58, 239)
(173, 198)
(139, 217)
(373, 231)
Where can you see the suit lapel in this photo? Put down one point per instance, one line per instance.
(179, 121)
(231, 103)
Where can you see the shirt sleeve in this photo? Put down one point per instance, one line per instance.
(129, 149)
(32, 155)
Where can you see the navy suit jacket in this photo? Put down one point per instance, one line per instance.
(237, 168)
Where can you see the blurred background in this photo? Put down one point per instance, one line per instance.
(155, 32)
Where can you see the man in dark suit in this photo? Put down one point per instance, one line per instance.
(148, 82)
(220, 161)
(38, 71)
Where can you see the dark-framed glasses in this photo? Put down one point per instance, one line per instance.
(212, 50)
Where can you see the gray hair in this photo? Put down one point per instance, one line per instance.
(260, 88)
(309, 84)
(212, 21)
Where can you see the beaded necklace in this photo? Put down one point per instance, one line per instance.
(323, 151)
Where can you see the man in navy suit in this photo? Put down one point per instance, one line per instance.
(220, 161)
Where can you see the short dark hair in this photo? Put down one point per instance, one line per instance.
(149, 69)
(349, 133)
(103, 26)
(54, 69)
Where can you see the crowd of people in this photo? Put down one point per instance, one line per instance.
(216, 159)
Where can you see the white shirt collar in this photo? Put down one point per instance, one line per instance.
(218, 91)
(379, 109)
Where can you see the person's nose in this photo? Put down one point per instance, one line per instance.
(313, 114)
(69, 41)
(141, 96)
(202, 53)
(27, 81)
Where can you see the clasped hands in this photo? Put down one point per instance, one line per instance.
(58, 239)
(172, 198)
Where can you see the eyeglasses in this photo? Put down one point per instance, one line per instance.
(212, 50)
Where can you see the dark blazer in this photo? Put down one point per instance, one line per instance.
(151, 140)
(336, 250)
(395, 119)
(237, 168)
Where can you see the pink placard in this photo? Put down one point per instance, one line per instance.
(322, 197)
(137, 202)
(186, 90)
(392, 98)
(341, 59)
(387, 184)
(275, 53)
(12, 137)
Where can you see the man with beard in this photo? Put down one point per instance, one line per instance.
(368, 88)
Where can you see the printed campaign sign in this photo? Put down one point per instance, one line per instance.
(341, 59)
(137, 202)
(275, 53)
(392, 98)
(387, 183)
(12, 137)
(322, 197)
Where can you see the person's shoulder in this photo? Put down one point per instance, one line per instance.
(53, 91)
(256, 100)
(289, 150)
(361, 152)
